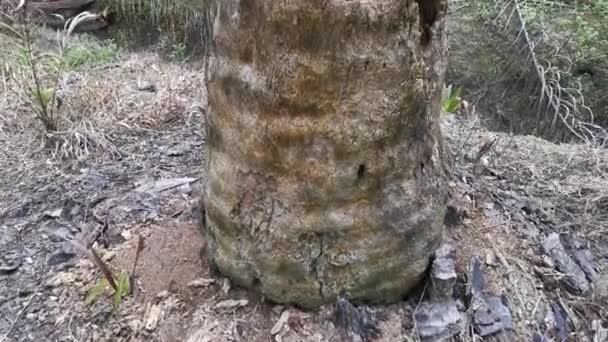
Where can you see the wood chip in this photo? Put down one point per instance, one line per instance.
(108, 256)
(126, 235)
(232, 304)
(152, 317)
(278, 326)
(201, 282)
(163, 294)
(491, 259)
(53, 213)
(226, 285)
(164, 184)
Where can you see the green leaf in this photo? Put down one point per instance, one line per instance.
(123, 289)
(43, 96)
(451, 100)
(96, 291)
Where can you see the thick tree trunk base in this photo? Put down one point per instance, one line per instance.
(325, 167)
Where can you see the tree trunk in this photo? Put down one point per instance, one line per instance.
(325, 170)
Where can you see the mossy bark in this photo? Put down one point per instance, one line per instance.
(325, 171)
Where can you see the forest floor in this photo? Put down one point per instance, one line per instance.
(130, 167)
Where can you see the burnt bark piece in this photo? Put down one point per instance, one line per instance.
(439, 320)
(476, 278)
(560, 315)
(573, 260)
(443, 272)
(491, 315)
(581, 255)
(355, 321)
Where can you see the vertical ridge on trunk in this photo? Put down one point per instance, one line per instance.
(325, 171)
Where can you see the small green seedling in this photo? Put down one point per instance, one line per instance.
(96, 291)
(121, 284)
(450, 99)
(43, 96)
(123, 289)
(179, 52)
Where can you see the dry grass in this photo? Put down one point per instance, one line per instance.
(567, 182)
(104, 103)
(527, 188)
(186, 20)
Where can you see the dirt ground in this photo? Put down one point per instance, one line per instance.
(141, 176)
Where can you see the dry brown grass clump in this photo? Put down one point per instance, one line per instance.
(519, 190)
(565, 182)
(103, 101)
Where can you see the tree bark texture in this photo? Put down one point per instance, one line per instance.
(325, 170)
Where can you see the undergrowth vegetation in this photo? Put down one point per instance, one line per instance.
(87, 51)
(583, 21)
(33, 69)
(536, 67)
(450, 99)
(184, 24)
